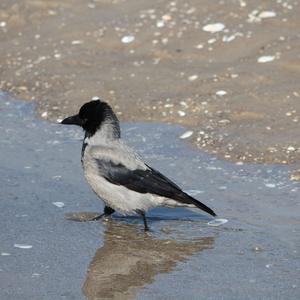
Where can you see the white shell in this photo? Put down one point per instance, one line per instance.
(267, 14)
(127, 39)
(217, 222)
(221, 93)
(193, 77)
(216, 27)
(264, 59)
(58, 204)
(22, 246)
(187, 134)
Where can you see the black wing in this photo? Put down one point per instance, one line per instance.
(146, 181)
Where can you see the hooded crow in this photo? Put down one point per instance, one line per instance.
(116, 173)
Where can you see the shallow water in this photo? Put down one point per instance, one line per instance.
(45, 256)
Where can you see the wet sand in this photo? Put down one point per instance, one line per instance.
(43, 255)
(235, 85)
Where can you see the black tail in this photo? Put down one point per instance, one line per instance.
(190, 200)
(152, 181)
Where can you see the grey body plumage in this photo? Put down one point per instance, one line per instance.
(116, 173)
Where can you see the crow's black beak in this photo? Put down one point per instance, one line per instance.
(73, 120)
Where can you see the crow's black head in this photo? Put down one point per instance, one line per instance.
(91, 116)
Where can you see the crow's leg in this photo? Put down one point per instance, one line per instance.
(107, 212)
(143, 215)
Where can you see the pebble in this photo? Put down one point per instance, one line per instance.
(224, 121)
(296, 94)
(291, 148)
(295, 176)
(217, 222)
(211, 41)
(169, 105)
(215, 27)
(227, 39)
(221, 93)
(264, 59)
(2, 24)
(257, 249)
(187, 134)
(44, 114)
(160, 23)
(127, 39)
(243, 3)
(76, 42)
(58, 204)
(166, 17)
(181, 113)
(252, 17)
(222, 187)
(270, 185)
(5, 254)
(193, 77)
(267, 14)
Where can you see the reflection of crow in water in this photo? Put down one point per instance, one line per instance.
(120, 267)
(117, 174)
